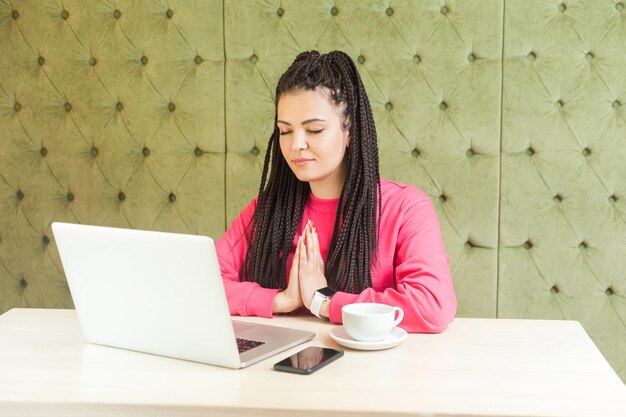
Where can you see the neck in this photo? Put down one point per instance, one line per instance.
(325, 192)
(329, 188)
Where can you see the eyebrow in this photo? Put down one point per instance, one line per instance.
(304, 123)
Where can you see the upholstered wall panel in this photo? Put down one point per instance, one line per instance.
(111, 113)
(432, 73)
(563, 219)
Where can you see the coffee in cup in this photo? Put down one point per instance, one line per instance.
(370, 322)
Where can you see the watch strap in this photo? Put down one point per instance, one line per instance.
(316, 303)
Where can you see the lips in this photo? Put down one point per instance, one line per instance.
(299, 162)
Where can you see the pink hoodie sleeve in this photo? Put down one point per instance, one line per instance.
(244, 298)
(423, 287)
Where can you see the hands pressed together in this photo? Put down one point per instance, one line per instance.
(306, 275)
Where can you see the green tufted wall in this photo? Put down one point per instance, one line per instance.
(155, 114)
(563, 195)
(110, 114)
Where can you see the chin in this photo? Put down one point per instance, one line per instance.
(304, 178)
(301, 176)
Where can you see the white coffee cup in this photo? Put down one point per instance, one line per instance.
(370, 322)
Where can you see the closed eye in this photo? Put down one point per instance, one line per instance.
(285, 133)
(316, 132)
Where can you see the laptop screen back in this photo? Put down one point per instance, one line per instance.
(152, 292)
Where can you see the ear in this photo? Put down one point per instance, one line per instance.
(346, 134)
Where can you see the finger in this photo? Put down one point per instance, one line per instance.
(306, 233)
(303, 236)
(316, 239)
(311, 249)
(316, 245)
(296, 256)
(295, 263)
(303, 248)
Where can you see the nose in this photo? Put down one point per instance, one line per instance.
(299, 140)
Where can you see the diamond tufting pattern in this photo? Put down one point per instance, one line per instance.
(111, 113)
(563, 218)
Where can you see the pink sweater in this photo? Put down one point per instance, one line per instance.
(412, 270)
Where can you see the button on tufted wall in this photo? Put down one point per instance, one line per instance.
(86, 88)
(425, 94)
(562, 74)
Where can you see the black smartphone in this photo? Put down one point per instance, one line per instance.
(308, 360)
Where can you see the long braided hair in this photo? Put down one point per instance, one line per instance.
(282, 196)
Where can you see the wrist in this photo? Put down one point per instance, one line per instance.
(282, 303)
(277, 304)
(325, 309)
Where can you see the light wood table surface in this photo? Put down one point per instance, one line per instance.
(476, 367)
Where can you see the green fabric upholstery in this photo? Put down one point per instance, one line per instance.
(150, 114)
(109, 115)
(563, 195)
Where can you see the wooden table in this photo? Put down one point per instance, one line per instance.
(476, 367)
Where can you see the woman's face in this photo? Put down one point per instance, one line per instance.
(313, 140)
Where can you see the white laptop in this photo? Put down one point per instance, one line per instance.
(160, 293)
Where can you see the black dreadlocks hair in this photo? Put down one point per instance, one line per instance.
(282, 196)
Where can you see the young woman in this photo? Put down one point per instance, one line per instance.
(325, 229)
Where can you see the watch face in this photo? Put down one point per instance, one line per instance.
(327, 292)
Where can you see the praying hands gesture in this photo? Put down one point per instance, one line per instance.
(306, 275)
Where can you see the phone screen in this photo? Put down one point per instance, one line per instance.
(308, 360)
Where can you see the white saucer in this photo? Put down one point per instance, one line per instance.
(339, 335)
